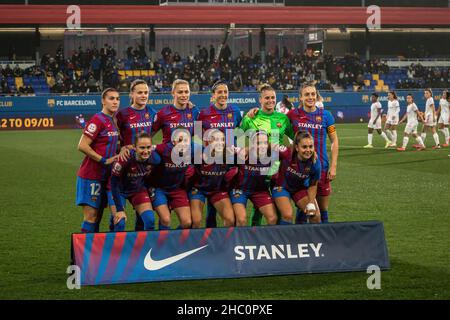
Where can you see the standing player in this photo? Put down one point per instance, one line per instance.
(169, 192)
(392, 118)
(99, 143)
(430, 119)
(444, 115)
(222, 116)
(375, 122)
(251, 182)
(178, 114)
(297, 179)
(320, 124)
(135, 119)
(127, 181)
(274, 123)
(412, 113)
(209, 183)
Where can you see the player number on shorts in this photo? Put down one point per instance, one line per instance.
(95, 189)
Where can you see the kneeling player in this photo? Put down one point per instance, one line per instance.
(250, 181)
(208, 182)
(127, 179)
(412, 112)
(297, 179)
(169, 180)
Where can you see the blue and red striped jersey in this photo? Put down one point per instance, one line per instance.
(214, 118)
(169, 118)
(319, 124)
(168, 175)
(295, 174)
(105, 135)
(132, 121)
(131, 173)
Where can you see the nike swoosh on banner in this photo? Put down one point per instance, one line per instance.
(153, 265)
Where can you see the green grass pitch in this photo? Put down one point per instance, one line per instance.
(408, 191)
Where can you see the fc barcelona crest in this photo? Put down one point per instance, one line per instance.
(230, 115)
(318, 118)
(147, 116)
(189, 116)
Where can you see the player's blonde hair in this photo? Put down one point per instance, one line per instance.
(265, 87)
(177, 82)
(307, 85)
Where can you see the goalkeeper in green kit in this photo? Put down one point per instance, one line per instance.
(275, 123)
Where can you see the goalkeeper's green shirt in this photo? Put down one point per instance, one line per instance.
(269, 122)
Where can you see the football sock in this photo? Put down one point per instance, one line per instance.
(162, 227)
(436, 138)
(300, 217)
(420, 141)
(139, 224)
(389, 134)
(384, 136)
(211, 213)
(446, 134)
(405, 142)
(120, 226)
(370, 138)
(111, 222)
(394, 136)
(324, 216)
(97, 226)
(256, 217)
(423, 135)
(148, 218)
(88, 227)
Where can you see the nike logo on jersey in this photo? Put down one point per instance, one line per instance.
(153, 265)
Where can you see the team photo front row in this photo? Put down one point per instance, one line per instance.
(280, 158)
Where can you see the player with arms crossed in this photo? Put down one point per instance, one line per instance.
(392, 118)
(444, 116)
(375, 122)
(430, 119)
(99, 143)
(412, 113)
(127, 181)
(297, 179)
(320, 124)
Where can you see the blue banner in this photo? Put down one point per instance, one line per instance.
(60, 111)
(128, 257)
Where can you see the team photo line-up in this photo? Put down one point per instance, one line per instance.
(121, 162)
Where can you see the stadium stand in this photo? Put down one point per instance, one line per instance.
(89, 70)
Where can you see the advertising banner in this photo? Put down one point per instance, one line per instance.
(128, 257)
